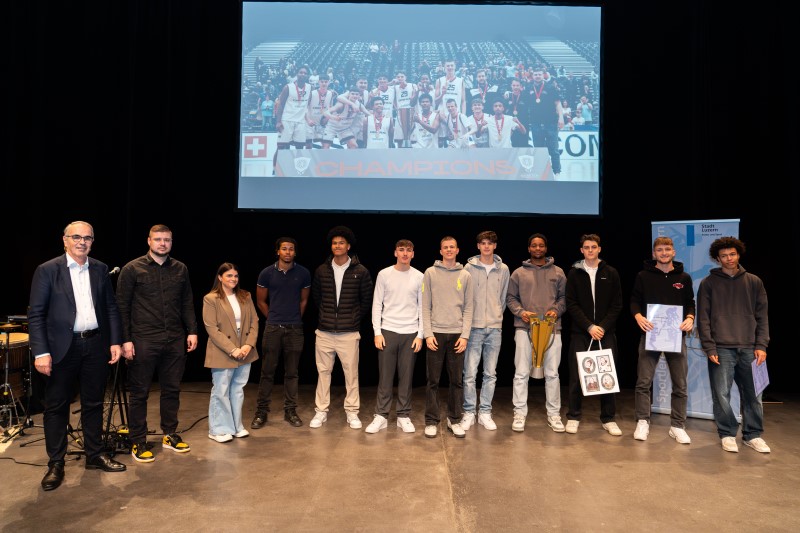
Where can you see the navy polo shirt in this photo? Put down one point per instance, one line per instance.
(283, 294)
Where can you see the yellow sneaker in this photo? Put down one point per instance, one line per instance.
(174, 442)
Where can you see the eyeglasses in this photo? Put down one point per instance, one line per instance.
(78, 238)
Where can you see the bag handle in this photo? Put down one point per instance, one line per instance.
(600, 344)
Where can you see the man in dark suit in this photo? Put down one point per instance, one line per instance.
(72, 321)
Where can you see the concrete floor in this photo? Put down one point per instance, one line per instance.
(338, 479)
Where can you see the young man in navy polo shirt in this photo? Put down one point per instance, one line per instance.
(281, 296)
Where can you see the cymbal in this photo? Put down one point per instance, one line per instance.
(9, 327)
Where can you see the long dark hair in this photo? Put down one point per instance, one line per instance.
(241, 294)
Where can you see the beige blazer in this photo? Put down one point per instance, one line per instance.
(222, 336)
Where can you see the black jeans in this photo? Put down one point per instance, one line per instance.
(455, 372)
(579, 342)
(168, 360)
(277, 340)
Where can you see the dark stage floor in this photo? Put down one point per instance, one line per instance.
(335, 478)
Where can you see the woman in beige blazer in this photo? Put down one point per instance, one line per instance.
(232, 325)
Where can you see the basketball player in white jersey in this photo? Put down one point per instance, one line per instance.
(477, 123)
(426, 124)
(343, 119)
(459, 135)
(378, 128)
(405, 100)
(448, 87)
(499, 127)
(290, 113)
(320, 100)
(424, 87)
(385, 92)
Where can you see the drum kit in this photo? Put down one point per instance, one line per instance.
(16, 373)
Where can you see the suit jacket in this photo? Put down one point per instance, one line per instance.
(222, 336)
(52, 311)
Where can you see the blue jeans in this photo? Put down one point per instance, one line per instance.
(734, 365)
(485, 341)
(227, 397)
(523, 363)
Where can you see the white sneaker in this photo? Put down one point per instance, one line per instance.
(456, 429)
(680, 435)
(241, 434)
(555, 423)
(572, 426)
(643, 430)
(430, 431)
(729, 444)
(226, 437)
(612, 428)
(378, 423)
(320, 418)
(404, 423)
(519, 423)
(757, 444)
(485, 419)
(354, 422)
(467, 421)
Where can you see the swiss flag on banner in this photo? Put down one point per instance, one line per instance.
(255, 146)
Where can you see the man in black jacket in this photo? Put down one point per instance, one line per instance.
(662, 281)
(342, 289)
(594, 301)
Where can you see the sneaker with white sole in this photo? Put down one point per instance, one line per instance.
(174, 442)
(242, 433)
(404, 423)
(757, 444)
(485, 419)
(555, 423)
(353, 421)
(141, 453)
(612, 428)
(519, 423)
(467, 421)
(572, 426)
(378, 423)
(320, 418)
(680, 435)
(456, 429)
(643, 430)
(729, 444)
(225, 437)
(430, 430)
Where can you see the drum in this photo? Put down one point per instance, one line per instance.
(18, 352)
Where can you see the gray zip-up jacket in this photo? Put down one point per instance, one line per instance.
(447, 300)
(490, 292)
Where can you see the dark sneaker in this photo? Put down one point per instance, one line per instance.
(174, 442)
(141, 454)
(258, 421)
(291, 417)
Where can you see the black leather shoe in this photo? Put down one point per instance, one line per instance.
(54, 476)
(106, 464)
(291, 417)
(259, 421)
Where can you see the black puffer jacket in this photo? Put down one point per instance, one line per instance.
(355, 299)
